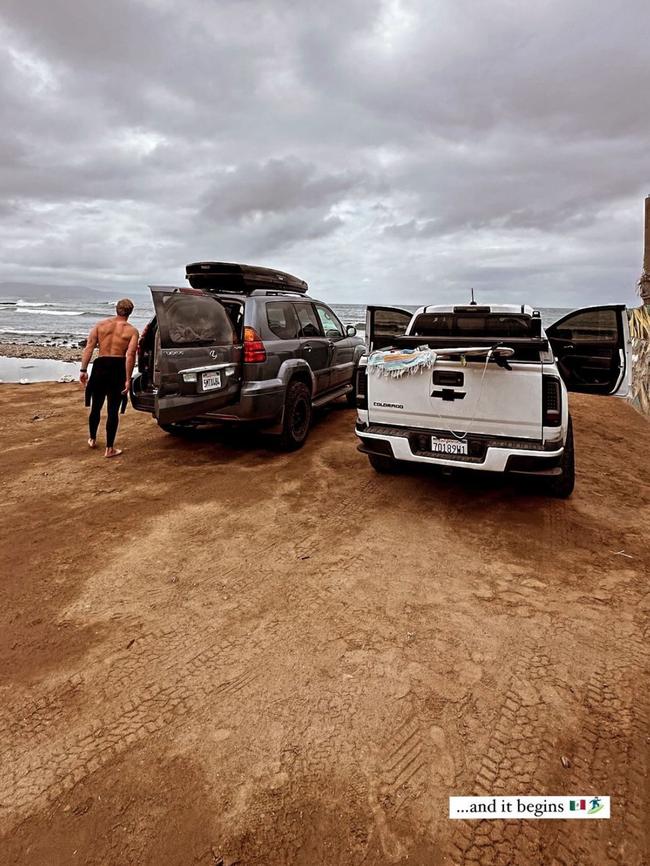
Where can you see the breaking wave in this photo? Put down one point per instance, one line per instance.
(23, 332)
(41, 312)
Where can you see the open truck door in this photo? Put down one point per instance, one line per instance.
(199, 355)
(592, 348)
(383, 324)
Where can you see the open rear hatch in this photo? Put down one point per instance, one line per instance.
(198, 364)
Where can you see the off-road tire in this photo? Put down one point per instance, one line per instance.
(297, 417)
(561, 486)
(384, 465)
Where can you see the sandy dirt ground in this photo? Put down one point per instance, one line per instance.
(215, 653)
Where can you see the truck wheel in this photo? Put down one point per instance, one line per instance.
(562, 485)
(385, 465)
(297, 417)
(351, 396)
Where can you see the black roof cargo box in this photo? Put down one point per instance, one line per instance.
(242, 279)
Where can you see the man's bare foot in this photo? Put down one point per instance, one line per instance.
(113, 452)
(92, 443)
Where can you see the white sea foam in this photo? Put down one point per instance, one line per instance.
(41, 312)
(22, 331)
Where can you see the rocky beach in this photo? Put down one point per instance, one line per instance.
(45, 352)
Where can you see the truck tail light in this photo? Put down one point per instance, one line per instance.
(254, 351)
(551, 401)
(361, 387)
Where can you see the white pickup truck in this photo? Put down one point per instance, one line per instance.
(485, 387)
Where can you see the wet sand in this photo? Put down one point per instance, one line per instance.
(32, 370)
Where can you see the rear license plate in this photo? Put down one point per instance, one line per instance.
(210, 381)
(449, 446)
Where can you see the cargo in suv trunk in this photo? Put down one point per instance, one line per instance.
(197, 356)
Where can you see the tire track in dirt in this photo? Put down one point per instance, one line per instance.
(515, 763)
(401, 768)
(45, 773)
(405, 766)
(32, 712)
(41, 763)
(510, 760)
(616, 719)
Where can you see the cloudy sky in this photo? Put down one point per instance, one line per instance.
(393, 151)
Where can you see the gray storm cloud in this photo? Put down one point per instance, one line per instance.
(387, 152)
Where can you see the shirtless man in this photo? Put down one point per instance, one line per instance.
(110, 378)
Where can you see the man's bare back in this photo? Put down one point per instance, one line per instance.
(116, 339)
(114, 336)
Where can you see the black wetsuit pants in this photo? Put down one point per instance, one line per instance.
(106, 383)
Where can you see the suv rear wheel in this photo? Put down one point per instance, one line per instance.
(562, 485)
(297, 416)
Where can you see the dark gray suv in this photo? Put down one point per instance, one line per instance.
(243, 344)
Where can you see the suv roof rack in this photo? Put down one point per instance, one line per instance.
(229, 277)
(276, 292)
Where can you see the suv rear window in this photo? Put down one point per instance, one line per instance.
(192, 320)
(282, 319)
(474, 325)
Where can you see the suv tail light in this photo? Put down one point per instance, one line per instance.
(362, 387)
(551, 401)
(254, 351)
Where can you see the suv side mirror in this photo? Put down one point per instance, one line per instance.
(351, 331)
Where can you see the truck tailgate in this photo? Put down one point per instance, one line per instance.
(477, 398)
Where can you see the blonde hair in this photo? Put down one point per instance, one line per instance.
(124, 308)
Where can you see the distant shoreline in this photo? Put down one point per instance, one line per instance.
(33, 350)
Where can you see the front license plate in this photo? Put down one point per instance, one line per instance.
(449, 446)
(210, 381)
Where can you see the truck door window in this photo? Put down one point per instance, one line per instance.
(590, 326)
(389, 323)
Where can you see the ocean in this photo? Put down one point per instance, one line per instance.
(65, 323)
